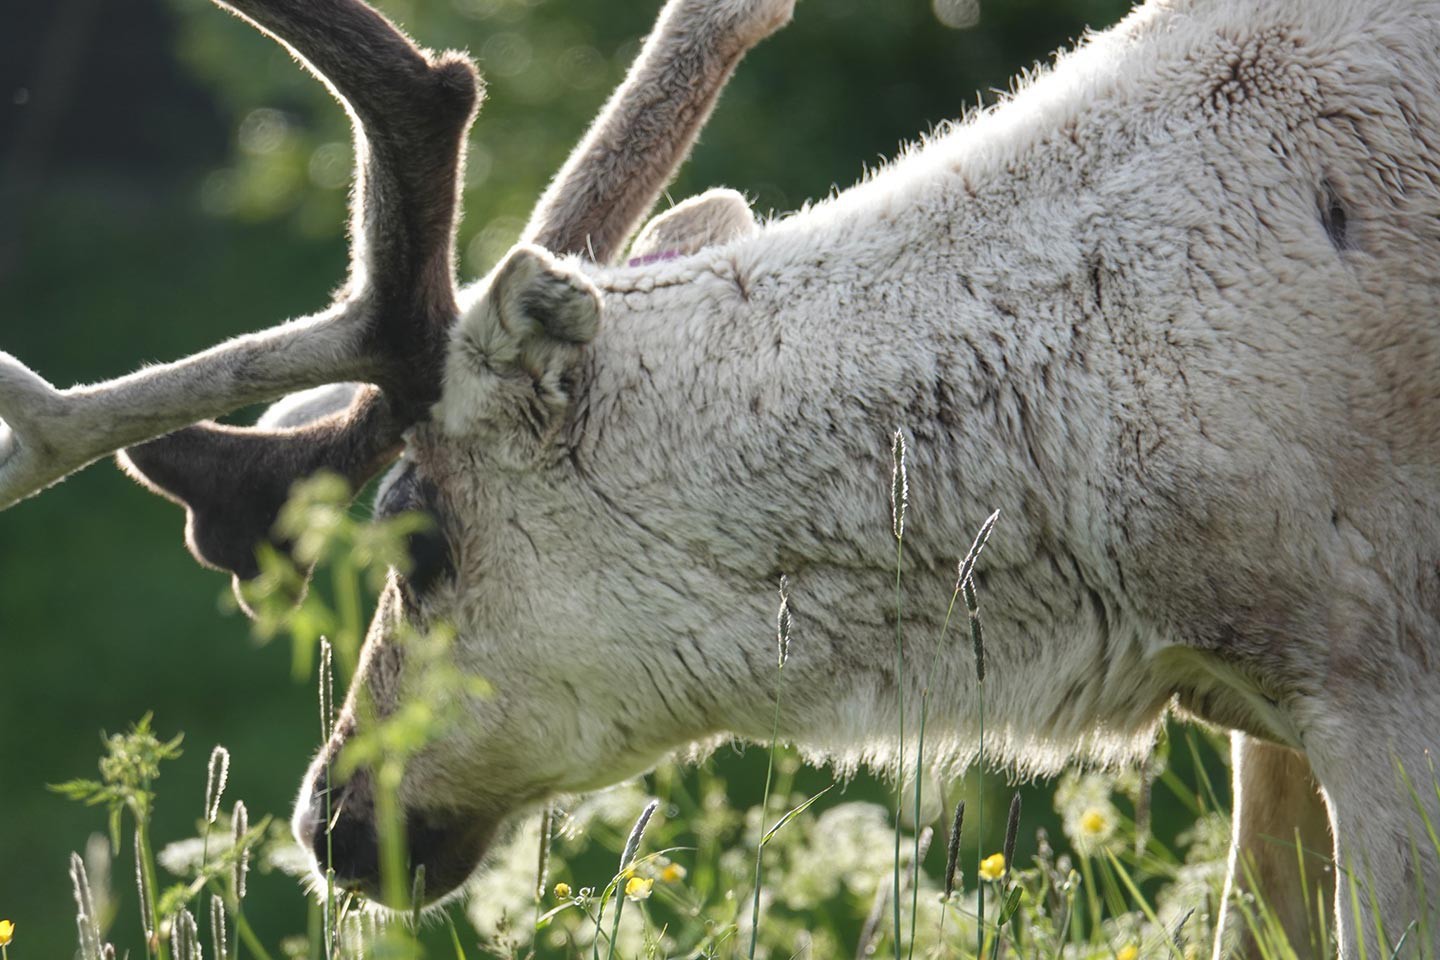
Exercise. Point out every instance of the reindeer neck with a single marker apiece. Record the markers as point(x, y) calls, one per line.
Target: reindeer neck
point(740, 409)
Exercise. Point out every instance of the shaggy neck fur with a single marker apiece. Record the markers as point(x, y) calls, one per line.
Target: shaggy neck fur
point(1170, 310)
point(1039, 299)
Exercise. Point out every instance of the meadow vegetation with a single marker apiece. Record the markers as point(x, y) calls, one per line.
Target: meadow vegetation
point(681, 863)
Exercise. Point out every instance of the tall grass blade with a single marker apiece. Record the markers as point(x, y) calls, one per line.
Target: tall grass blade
point(632, 846)
point(792, 814)
point(899, 500)
point(783, 625)
point(455, 941)
point(327, 731)
point(1400, 944)
point(1143, 904)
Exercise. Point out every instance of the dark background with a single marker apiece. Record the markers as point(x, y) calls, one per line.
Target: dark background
point(169, 178)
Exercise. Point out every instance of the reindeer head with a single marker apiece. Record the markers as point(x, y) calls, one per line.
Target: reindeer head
point(372, 367)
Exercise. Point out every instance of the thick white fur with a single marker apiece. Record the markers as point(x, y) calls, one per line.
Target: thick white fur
point(1109, 308)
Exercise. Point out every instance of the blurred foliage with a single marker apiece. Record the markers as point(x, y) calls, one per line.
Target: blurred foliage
point(169, 178)
point(847, 83)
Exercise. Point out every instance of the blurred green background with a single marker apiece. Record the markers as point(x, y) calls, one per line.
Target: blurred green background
point(169, 178)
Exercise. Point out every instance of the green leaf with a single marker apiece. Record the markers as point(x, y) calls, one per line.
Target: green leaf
point(83, 790)
point(793, 814)
point(1012, 904)
point(455, 939)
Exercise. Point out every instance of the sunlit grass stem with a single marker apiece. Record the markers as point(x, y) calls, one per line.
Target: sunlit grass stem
point(764, 809)
point(977, 643)
point(146, 860)
point(627, 860)
point(327, 730)
point(899, 499)
point(964, 573)
point(782, 639)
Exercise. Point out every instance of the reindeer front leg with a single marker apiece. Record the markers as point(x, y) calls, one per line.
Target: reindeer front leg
point(1276, 804)
point(1373, 753)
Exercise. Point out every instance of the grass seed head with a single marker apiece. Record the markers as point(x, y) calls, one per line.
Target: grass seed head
point(972, 556)
point(217, 773)
point(242, 852)
point(899, 485)
point(1012, 830)
point(637, 833)
point(977, 633)
point(87, 924)
point(184, 938)
point(952, 853)
point(783, 621)
point(327, 690)
point(217, 928)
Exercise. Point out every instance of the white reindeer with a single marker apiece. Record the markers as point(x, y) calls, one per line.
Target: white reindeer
point(1174, 308)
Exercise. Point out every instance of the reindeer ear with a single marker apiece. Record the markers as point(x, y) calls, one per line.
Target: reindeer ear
point(537, 296)
point(715, 216)
point(517, 340)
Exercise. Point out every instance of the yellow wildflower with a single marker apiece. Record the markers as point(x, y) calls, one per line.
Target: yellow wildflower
point(672, 873)
point(7, 932)
point(992, 867)
point(562, 891)
point(1093, 822)
point(1128, 952)
point(639, 888)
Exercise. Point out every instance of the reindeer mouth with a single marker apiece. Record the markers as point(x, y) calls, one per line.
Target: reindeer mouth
point(450, 851)
point(447, 845)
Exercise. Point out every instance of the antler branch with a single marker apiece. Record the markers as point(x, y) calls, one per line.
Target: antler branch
point(389, 325)
point(49, 433)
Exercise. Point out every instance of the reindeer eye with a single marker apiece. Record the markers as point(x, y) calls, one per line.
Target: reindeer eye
point(429, 548)
point(430, 559)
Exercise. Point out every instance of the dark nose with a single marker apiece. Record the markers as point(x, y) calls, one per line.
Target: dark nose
point(349, 845)
point(447, 843)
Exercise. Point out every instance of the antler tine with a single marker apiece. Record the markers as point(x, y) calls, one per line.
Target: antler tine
point(51, 433)
point(410, 112)
point(234, 481)
point(612, 178)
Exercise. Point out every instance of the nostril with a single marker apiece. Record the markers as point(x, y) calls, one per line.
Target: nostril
point(344, 833)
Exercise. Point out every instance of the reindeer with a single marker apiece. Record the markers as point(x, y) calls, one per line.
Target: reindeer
point(1171, 308)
